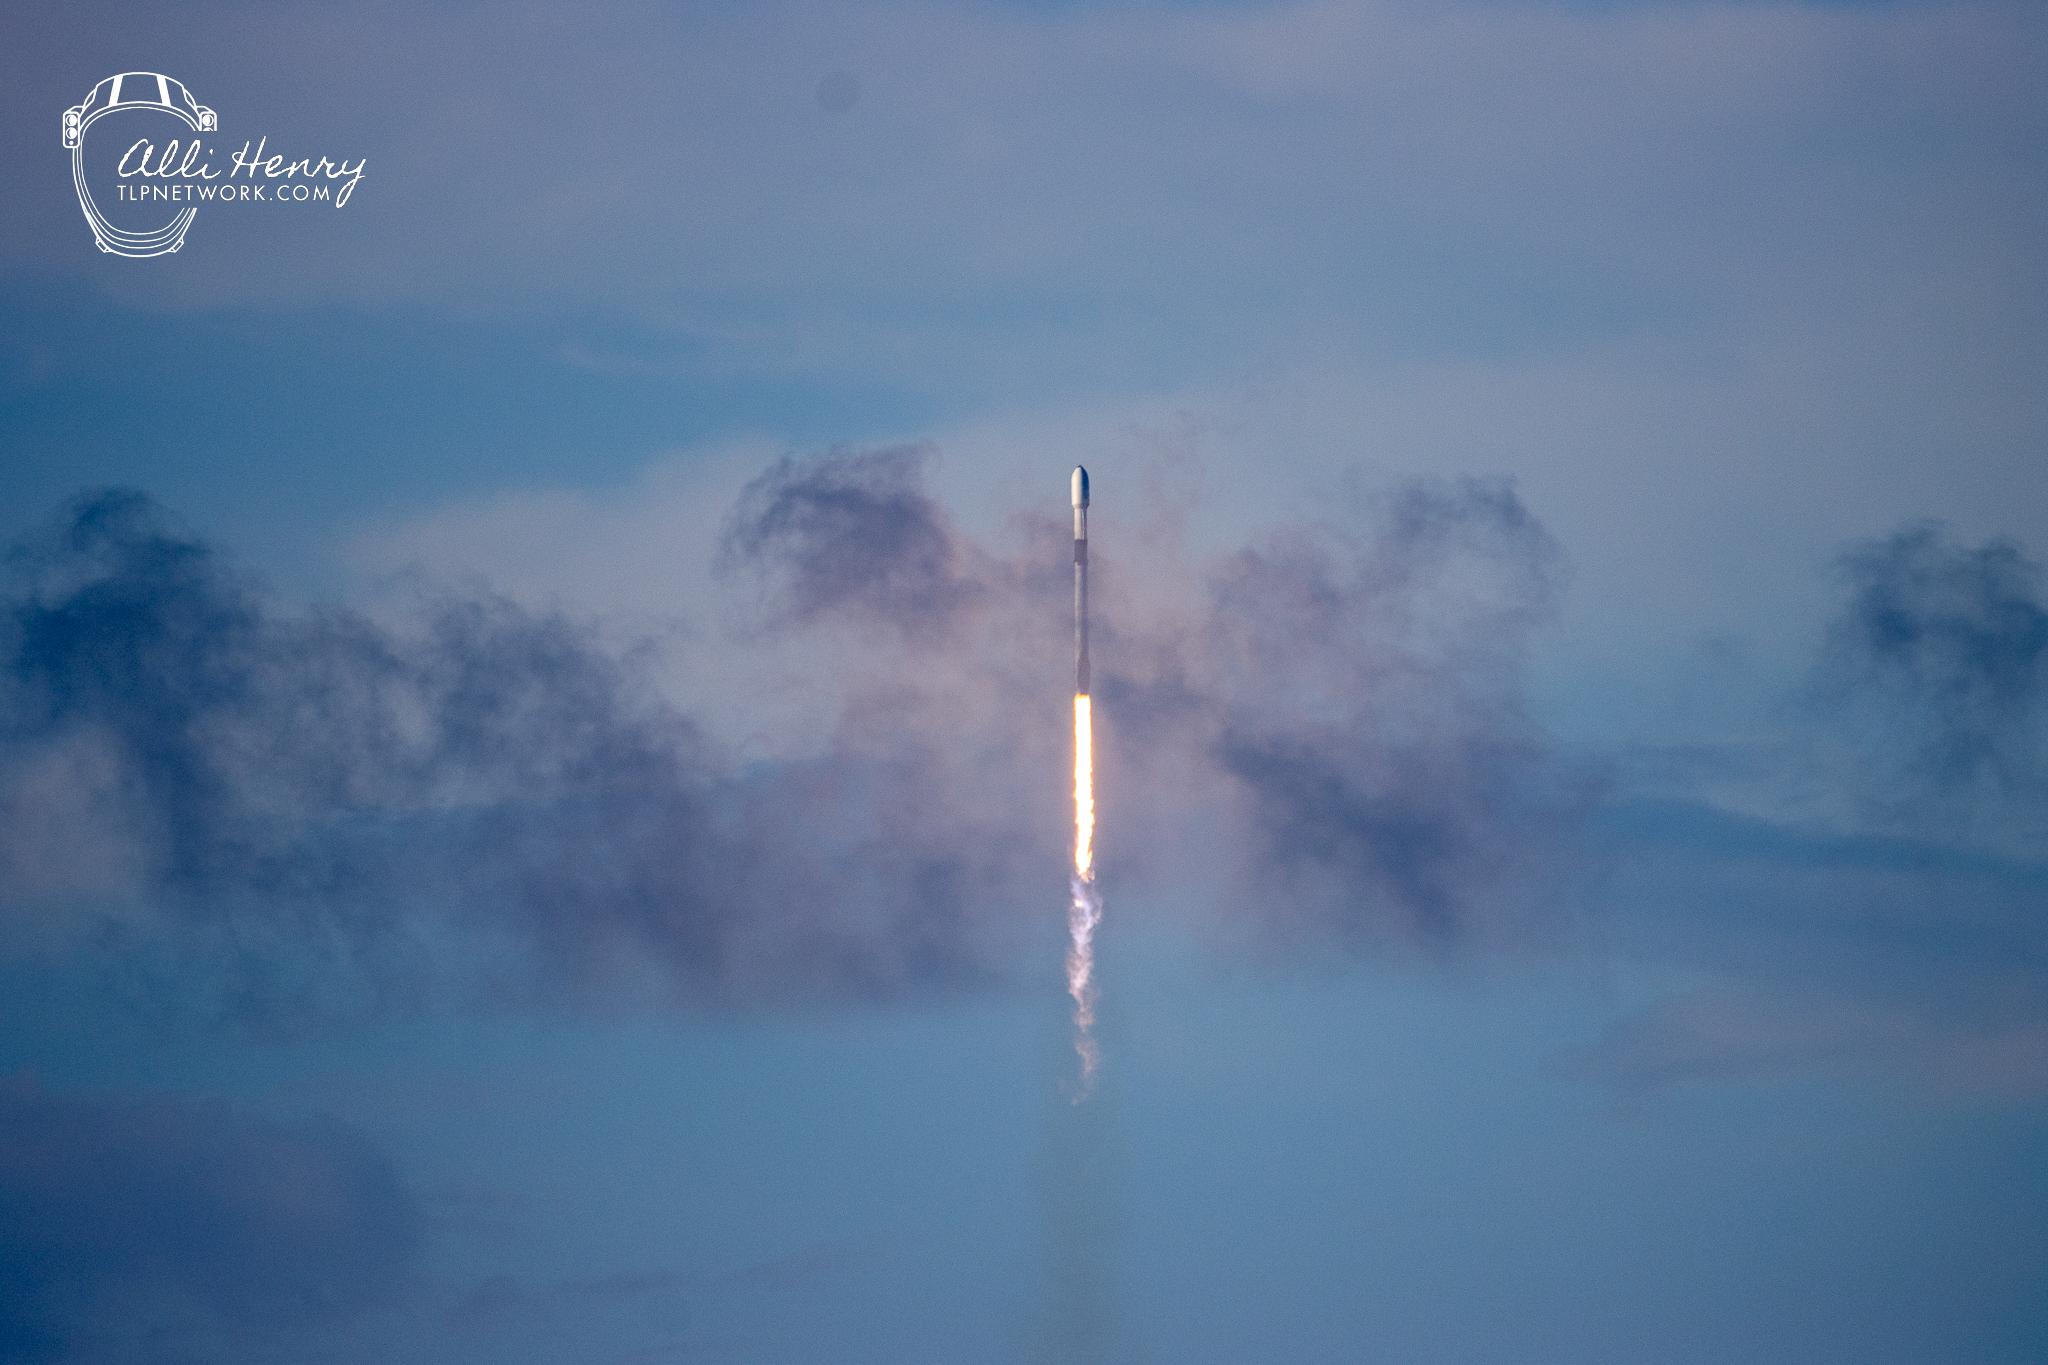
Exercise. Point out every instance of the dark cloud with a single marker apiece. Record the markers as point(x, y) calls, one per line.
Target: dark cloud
point(1368, 709)
point(159, 1230)
point(313, 799)
point(852, 534)
point(1938, 662)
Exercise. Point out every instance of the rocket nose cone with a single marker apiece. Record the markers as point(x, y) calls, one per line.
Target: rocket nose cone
point(1080, 486)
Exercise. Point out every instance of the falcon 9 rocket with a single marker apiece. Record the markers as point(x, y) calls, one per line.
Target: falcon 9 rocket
point(1085, 911)
point(1080, 491)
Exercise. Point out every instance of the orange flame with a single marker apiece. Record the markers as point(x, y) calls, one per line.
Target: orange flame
point(1084, 788)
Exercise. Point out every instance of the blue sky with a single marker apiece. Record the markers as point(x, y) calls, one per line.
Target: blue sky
point(532, 751)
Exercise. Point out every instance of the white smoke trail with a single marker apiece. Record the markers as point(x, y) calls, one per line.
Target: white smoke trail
point(1085, 911)
point(1082, 917)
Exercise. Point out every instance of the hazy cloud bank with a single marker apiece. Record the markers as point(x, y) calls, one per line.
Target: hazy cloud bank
point(291, 804)
point(150, 1230)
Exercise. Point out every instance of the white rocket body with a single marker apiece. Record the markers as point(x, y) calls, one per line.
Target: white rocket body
point(1080, 500)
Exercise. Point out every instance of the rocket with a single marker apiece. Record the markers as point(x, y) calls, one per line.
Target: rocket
point(1080, 490)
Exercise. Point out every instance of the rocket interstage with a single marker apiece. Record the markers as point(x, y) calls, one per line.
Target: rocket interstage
point(1085, 911)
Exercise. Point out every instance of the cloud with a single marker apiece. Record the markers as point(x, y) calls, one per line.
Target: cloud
point(1737, 1032)
point(852, 535)
point(1368, 710)
point(1861, 953)
point(1731, 1033)
point(1939, 661)
point(303, 803)
point(153, 1229)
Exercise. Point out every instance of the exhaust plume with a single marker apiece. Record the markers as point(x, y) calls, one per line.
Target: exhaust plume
point(1086, 910)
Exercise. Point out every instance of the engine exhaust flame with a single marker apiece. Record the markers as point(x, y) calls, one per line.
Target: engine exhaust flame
point(1086, 911)
point(1084, 788)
